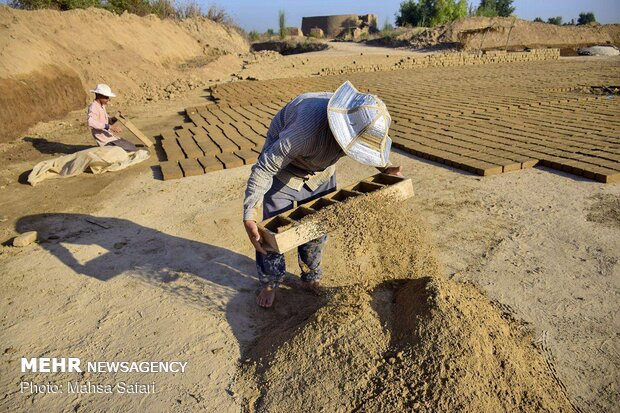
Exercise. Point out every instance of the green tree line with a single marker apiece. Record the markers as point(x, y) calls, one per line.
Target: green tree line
point(429, 13)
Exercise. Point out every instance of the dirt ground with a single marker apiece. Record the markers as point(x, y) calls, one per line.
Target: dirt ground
point(168, 274)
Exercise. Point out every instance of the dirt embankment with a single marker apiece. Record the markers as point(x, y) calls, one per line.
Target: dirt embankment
point(475, 33)
point(50, 59)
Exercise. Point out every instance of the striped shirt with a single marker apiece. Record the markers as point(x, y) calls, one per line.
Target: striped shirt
point(299, 149)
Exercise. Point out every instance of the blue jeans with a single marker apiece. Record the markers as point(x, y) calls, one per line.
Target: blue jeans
point(271, 267)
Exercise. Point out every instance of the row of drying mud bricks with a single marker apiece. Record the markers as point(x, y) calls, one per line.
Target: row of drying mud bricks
point(455, 59)
point(201, 148)
point(490, 155)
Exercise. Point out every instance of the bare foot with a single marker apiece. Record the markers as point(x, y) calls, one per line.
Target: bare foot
point(312, 286)
point(265, 297)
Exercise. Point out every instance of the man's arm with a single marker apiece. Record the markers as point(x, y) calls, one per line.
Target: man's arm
point(270, 161)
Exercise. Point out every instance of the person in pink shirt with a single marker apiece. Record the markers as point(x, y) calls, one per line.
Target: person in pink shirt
point(103, 127)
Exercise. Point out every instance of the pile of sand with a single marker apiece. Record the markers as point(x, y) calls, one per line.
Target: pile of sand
point(390, 334)
point(50, 59)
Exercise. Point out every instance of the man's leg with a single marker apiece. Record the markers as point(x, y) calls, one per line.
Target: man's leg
point(271, 267)
point(310, 254)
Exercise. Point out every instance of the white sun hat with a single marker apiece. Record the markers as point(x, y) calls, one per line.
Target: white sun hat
point(360, 124)
point(104, 90)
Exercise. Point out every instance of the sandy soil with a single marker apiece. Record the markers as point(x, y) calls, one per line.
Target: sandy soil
point(169, 274)
point(474, 33)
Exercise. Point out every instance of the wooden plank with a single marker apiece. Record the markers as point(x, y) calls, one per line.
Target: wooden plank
point(287, 230)
point(133, 129)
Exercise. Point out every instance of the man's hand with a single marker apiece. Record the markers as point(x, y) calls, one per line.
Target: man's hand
point(115, 128)
point(252, 230)
point(393, 170)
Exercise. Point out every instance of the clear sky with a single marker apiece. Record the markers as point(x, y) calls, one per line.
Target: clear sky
point(263, 14)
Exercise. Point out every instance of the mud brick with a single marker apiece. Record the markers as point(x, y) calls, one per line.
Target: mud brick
point(249, 134)
point(171, 170)
point(230, 160)
point(248, 156)
point(206, 144)
point(230, 132)
point(211, 163)
point(510, 166)
point(203, 111)
point(506, 164)
point(183, 133)
point(458, 161)
point(191, 149)
point(483, 168)
point(197, 119)
point(225, 145)
point(191, 110)
point(214, 132)
point(196, 130)
point(259, 141)
point(191, 167)
point(605, 175)
point(258, 128)
point(223, 117)
point(529, 163)
point(265, 109)
point(608, 164)
point(172, 149)
point(233, 115)
point(244, 143)
point(553, 162)
point(169, 136)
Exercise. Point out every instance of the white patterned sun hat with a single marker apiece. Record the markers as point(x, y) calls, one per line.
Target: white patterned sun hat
point(104, 90)
point(360, 124)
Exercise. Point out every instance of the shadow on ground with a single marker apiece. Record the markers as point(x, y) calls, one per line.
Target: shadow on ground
point(51, 148)
point(201, 274)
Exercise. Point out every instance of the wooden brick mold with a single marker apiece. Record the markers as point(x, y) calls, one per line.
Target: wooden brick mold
point(284, 232)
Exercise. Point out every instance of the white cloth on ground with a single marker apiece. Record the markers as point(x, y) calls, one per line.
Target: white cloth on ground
point(96, 160)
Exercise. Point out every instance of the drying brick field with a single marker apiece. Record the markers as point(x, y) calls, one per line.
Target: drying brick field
point(486, 119)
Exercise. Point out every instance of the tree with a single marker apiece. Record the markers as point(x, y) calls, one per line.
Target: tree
point(253, 35)
point(282, 23)
point(446, 11)
point(270, 32)
point(555, 20)
point(486, 8)
point(493, 8)
point(586, 18)
point(412, 13)
point(387, 26)
point(504, 8)
point(539, 20)
point(430, 12)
